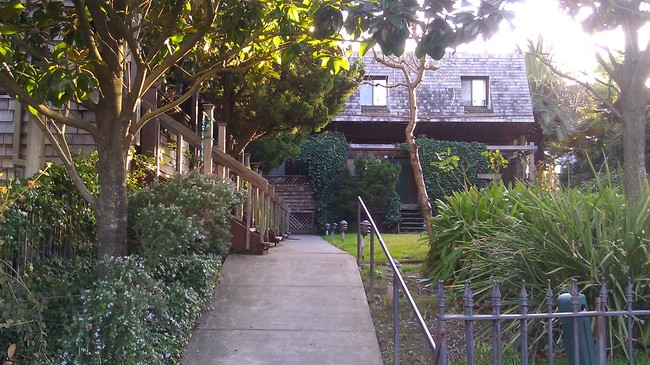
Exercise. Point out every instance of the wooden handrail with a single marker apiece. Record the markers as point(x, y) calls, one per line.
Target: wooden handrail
point(265, 210)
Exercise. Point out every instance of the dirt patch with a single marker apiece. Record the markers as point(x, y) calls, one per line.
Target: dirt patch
point(413, 348)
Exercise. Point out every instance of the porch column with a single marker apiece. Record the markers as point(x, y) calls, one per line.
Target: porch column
point(207, 140)
point(222, 171)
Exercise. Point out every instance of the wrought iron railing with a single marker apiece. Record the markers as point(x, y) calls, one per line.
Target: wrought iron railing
point(583, 344)
point(398, 284)
point(577, 336)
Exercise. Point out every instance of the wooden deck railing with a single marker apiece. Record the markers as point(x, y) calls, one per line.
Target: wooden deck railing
point(264, 214)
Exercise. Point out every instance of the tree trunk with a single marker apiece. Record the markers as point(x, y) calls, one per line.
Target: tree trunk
point(414, 156)
point(111, 210)
point(634, 133)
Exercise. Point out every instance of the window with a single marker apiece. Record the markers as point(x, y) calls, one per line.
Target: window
point(475, 91)
point(373, 91)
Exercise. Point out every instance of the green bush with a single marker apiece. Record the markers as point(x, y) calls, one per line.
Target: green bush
point(326, 157)
point(111, 323)
point(49, 215)
point(140, 313)
point(540, 236)
point(441, 175)
point(186, 214)
point(374, 180)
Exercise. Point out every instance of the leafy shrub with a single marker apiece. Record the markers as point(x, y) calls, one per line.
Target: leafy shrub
point(111, 325)
point(22, 330)
point(450, 166)
point(48, 215)
point(326, 156)
point(140, 313)
point(374, 180)
point(537, 236)
point(196, 272)
point(186, 214)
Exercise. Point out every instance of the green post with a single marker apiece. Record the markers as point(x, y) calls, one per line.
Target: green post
point(584, 338)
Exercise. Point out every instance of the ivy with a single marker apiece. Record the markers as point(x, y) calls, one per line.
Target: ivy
point(374, 180)
point(326, 157)
point(450, 166)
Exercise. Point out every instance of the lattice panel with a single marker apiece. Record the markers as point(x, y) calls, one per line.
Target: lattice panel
point(301, 222)
point(288, 180)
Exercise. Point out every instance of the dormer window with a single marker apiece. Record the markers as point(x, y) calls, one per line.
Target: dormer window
point(374, 93)
point(475, 92)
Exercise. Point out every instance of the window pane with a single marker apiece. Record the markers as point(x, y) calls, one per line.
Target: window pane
point(380, 92)
point(366, 94)
point(466, 87)
point(479, 92)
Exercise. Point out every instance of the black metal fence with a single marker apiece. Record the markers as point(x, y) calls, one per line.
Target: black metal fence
point(567, 319)
point(569, 308)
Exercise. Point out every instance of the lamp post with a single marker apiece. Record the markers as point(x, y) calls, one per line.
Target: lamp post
point(364, 229)
point(334, 226)
point(344, 227)
point(327, 229)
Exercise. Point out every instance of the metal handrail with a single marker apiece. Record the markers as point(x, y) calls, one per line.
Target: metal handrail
point(398, 282)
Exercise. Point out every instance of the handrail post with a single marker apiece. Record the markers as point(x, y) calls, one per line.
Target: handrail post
point(221, 145)
point(208, 140)
point(249, 214)
point(359, 263)
point(372, 260)
point(396, 313)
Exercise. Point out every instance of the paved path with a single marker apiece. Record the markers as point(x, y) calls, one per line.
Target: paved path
point(302, 303)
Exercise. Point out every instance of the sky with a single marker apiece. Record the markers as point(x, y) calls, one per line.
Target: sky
point(572, 48)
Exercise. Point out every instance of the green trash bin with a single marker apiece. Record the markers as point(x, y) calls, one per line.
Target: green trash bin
point(585, 336)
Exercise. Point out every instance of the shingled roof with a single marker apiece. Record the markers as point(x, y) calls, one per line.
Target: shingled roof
point(506, 114)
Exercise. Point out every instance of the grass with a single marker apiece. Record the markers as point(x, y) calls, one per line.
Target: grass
point(402, 247)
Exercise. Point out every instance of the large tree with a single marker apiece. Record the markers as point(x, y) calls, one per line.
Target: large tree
point(435, 26)
point(300, 97)
point(104, 55)
point(628, 68)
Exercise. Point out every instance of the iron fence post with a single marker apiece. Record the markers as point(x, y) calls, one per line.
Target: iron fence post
point(396, 315)
point(372, 261)
point(442, 330)
point(628, 304)
point(469, 323)
point(496, 325)
point(523, 303)
point(549, 310)
point(601, 303)
point(359, 263)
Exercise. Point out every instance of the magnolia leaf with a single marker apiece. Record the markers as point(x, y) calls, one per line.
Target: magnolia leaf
point(11, 351)
point(9, 11)
point(8, 29)
point(328, 22)
point(366, 46)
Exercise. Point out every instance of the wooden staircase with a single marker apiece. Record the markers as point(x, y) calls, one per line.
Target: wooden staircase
point(412, 220)
point(297, 194)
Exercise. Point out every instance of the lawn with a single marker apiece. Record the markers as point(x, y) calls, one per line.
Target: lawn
point(403, 247)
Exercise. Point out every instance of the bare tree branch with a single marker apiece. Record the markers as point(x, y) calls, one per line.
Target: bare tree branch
point(186, 46)
point(567, 76)
point(84, 24)
point(13, 87)
point(63, 150)
point(166, 32)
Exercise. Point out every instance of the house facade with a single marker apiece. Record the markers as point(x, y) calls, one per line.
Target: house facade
point(468, 98)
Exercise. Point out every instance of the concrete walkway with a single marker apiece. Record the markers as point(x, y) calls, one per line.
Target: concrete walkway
point(302, 303)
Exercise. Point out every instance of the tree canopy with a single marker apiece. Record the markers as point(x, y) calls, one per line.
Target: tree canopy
point(104, 55)
point(626, 70)
point(301, 99)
